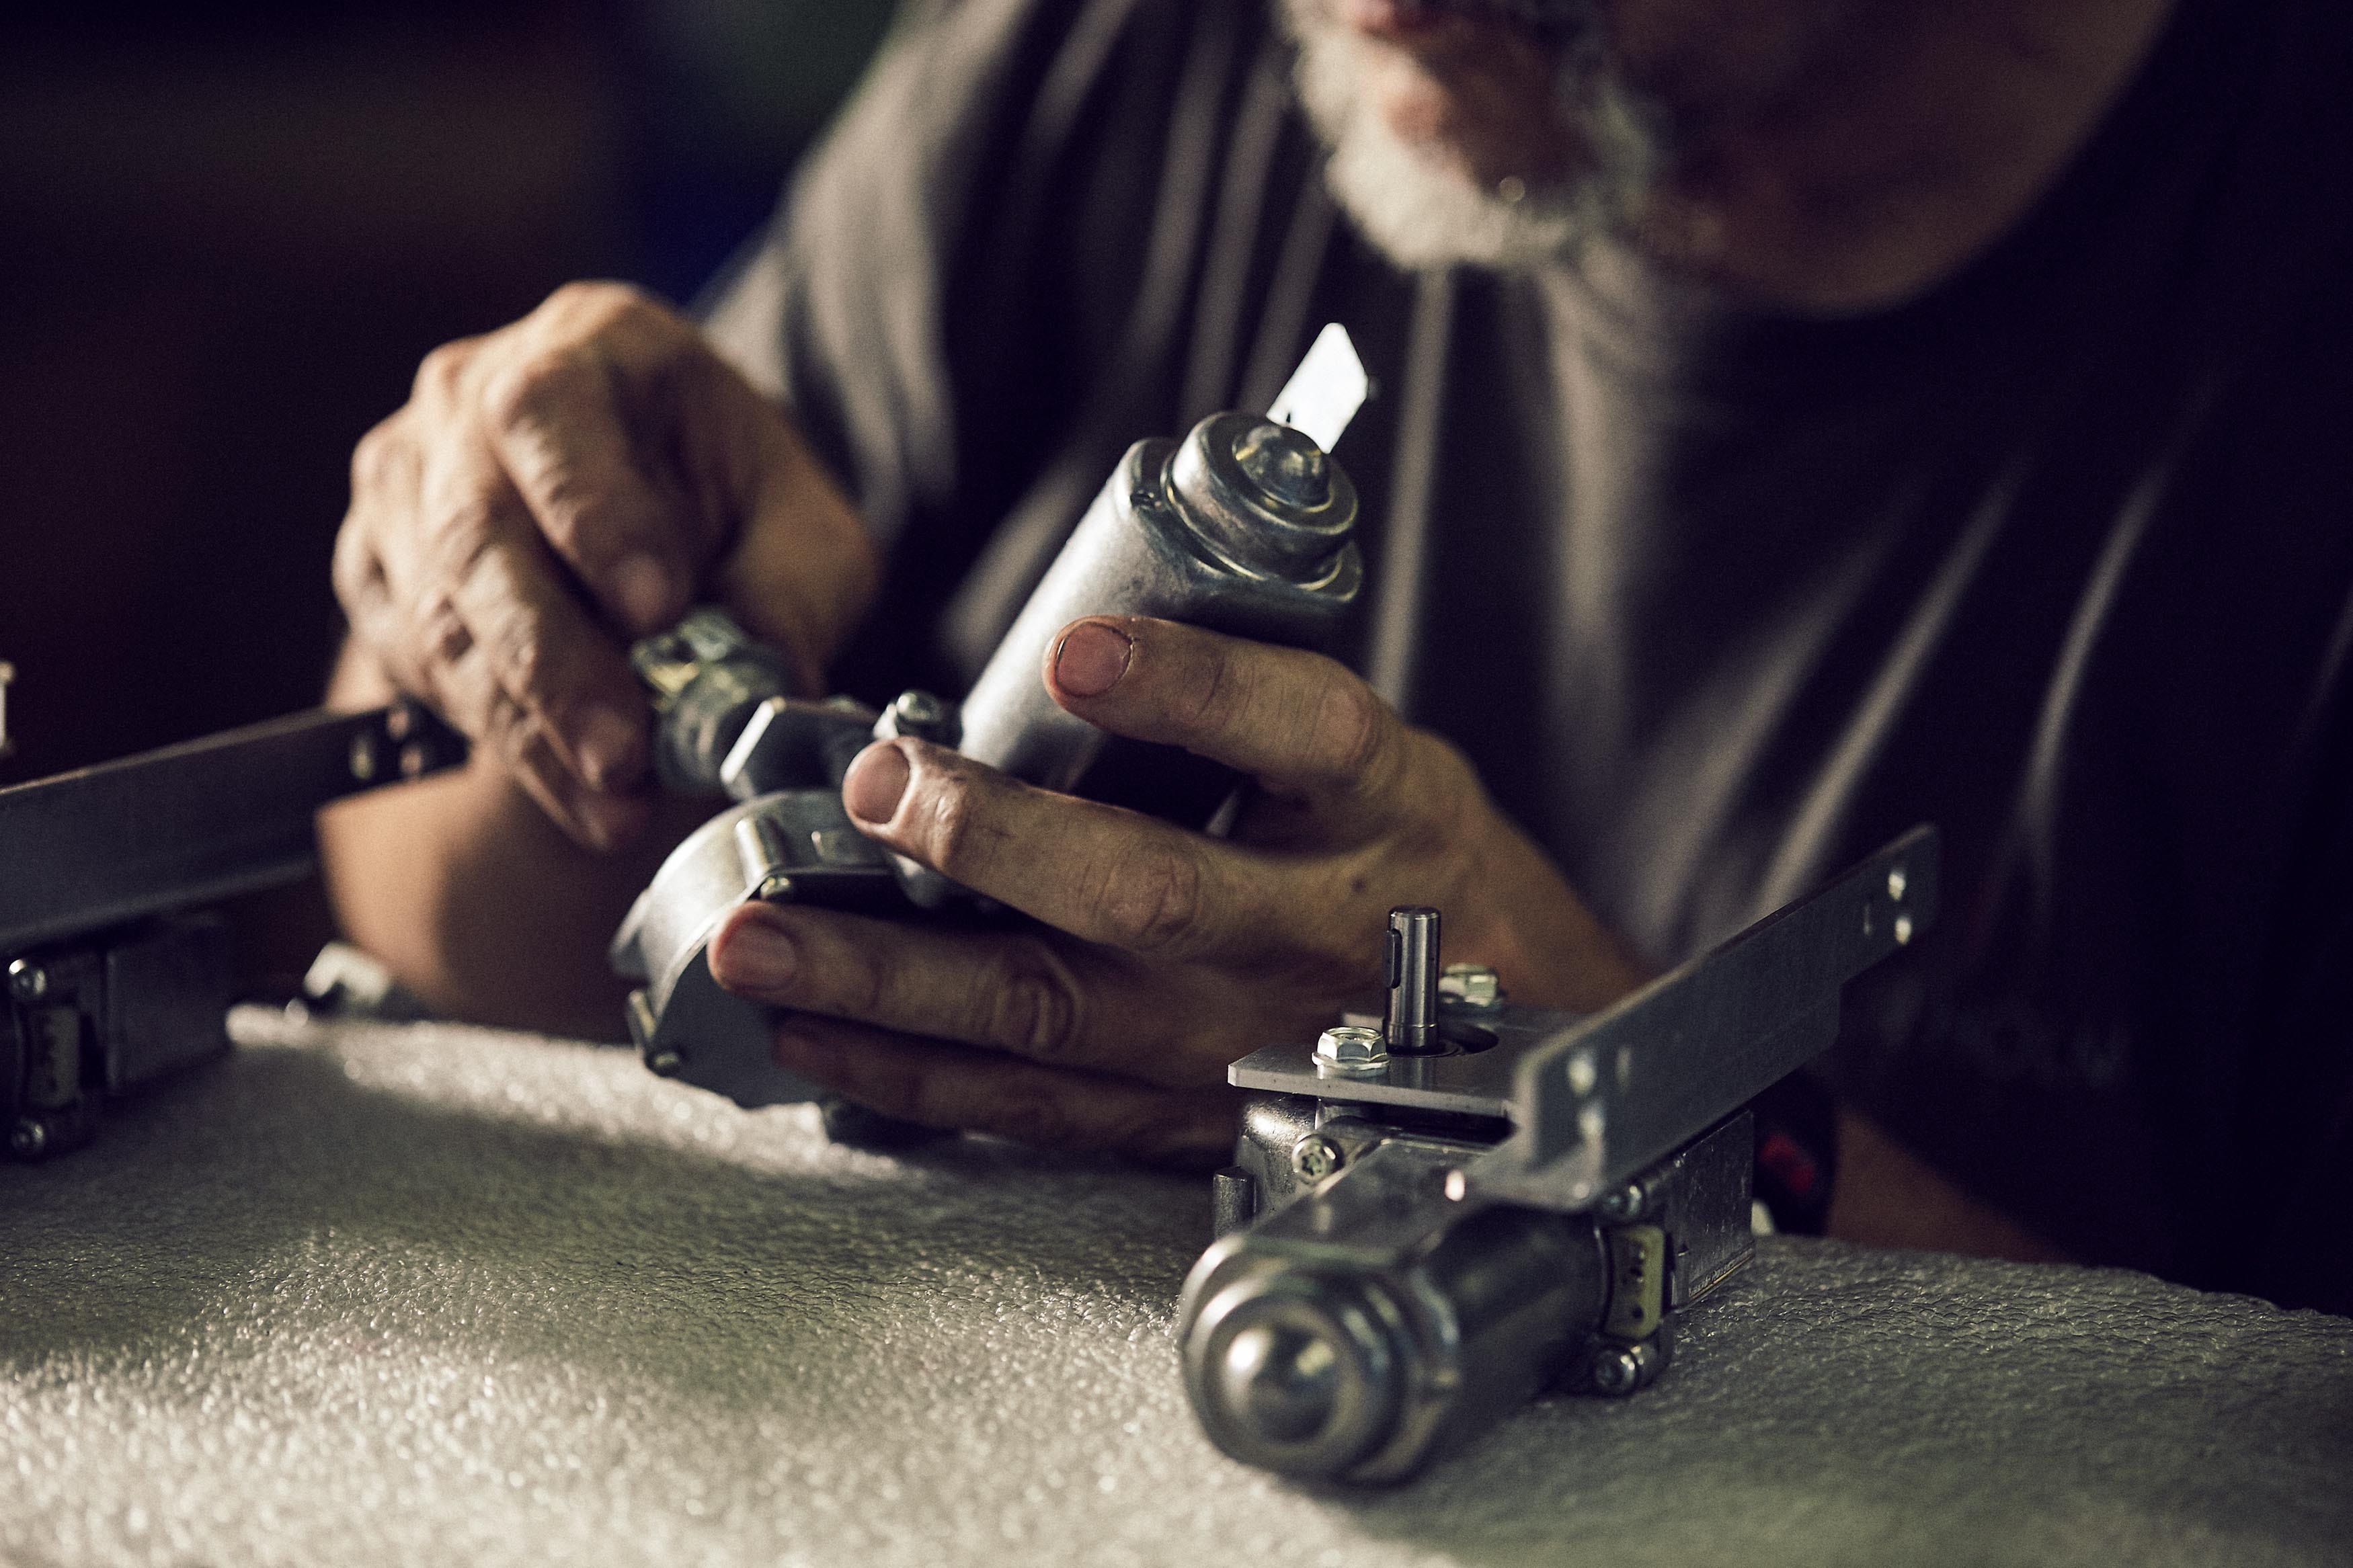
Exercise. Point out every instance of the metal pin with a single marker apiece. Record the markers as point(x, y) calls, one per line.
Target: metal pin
point(1411, 1019)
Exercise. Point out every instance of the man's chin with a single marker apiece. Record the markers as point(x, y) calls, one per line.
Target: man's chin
point(1400, 164)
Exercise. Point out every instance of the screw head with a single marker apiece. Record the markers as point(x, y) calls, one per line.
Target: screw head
point(1625, 1204)
point(28, 980)
point(665, 1063)
point(27, 1139)
point(915, 707)
point(1473, 985)
point(1315, 1157)
point(1350, 1047)
point(1616, 1369)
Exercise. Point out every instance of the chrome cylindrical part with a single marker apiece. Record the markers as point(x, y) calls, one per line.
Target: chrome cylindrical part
point(1410, 1016)
point(1327, 1368)
point(1245, 527)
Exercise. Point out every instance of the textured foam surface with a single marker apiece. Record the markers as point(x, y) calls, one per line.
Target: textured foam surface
point(410, 1296)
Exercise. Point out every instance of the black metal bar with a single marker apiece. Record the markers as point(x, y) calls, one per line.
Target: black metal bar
point(194, 823)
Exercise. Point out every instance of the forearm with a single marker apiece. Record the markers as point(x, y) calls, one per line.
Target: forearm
point(474, 898)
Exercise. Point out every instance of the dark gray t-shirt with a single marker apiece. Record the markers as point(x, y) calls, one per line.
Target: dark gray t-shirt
point(2057, 556)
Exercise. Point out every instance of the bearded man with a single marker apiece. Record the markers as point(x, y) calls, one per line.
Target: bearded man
point(1801, 418)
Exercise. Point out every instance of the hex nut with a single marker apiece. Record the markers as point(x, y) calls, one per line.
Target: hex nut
point(1351, 1048)
point(1473, 985)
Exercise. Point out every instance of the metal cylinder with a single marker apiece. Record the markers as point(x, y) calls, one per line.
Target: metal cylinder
point(1410, 1016)
point(1327, 1369)
point(707, 678)
point(1245, 527)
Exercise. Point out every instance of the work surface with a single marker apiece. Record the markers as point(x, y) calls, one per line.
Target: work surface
point(406, 1296)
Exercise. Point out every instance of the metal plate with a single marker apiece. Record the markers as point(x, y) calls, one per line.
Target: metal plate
point(196, 823)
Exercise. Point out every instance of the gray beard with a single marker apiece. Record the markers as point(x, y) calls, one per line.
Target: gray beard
point(1421, 212)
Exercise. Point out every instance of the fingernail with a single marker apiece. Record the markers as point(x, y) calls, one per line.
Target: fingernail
point(641, 589)
point(757, 956)
point(876, 780)
point(608, 749)
point(1092, 659)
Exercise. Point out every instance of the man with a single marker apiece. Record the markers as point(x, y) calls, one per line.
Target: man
point(1803, 418)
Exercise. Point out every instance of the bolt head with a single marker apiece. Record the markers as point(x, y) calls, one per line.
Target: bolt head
point(665, 1064)
point(1315, 1157)
point(28, 980)
point(1616, 1369)
point(27, 1139)
point(1349, 1047)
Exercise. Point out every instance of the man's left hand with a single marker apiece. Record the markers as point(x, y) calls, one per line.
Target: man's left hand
point(1161, 954)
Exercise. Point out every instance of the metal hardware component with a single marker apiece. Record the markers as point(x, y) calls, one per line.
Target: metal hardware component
point(1233, 1199)
point(796, 845)
point(1350, 1047)
point(1625, 1205)
point(1411, 1018)
point(1616, 1369)
point(1353, 1334)
point(1315, 1157)
point(1437, 1238)
point(920, 715)
point(1473, 988)
point(706, 676)
point(1245, 527)
point(188, 825)
point(112, 982)
point(1184, 531)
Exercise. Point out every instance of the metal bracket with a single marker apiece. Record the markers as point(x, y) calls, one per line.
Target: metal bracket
point(1594, 1100)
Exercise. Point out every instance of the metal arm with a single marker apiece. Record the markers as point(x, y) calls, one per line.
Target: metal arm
point(115, 977)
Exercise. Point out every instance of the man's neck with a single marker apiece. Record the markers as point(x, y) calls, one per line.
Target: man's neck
point(1850, 162)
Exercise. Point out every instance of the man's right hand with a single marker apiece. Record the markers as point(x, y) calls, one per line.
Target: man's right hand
point(560, 487)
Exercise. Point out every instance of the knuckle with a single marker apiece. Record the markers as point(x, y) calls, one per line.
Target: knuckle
point(376, 459)
point(1031, 1003)
point(1352, 727)
point(952, 829)
point(519, 396)
point(440, 371)
point(1219, 693)
point(1150, 900)
point(594, 300)
point(354, 569)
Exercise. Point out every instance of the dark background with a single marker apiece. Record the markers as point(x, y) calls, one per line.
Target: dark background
point(228, 234)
